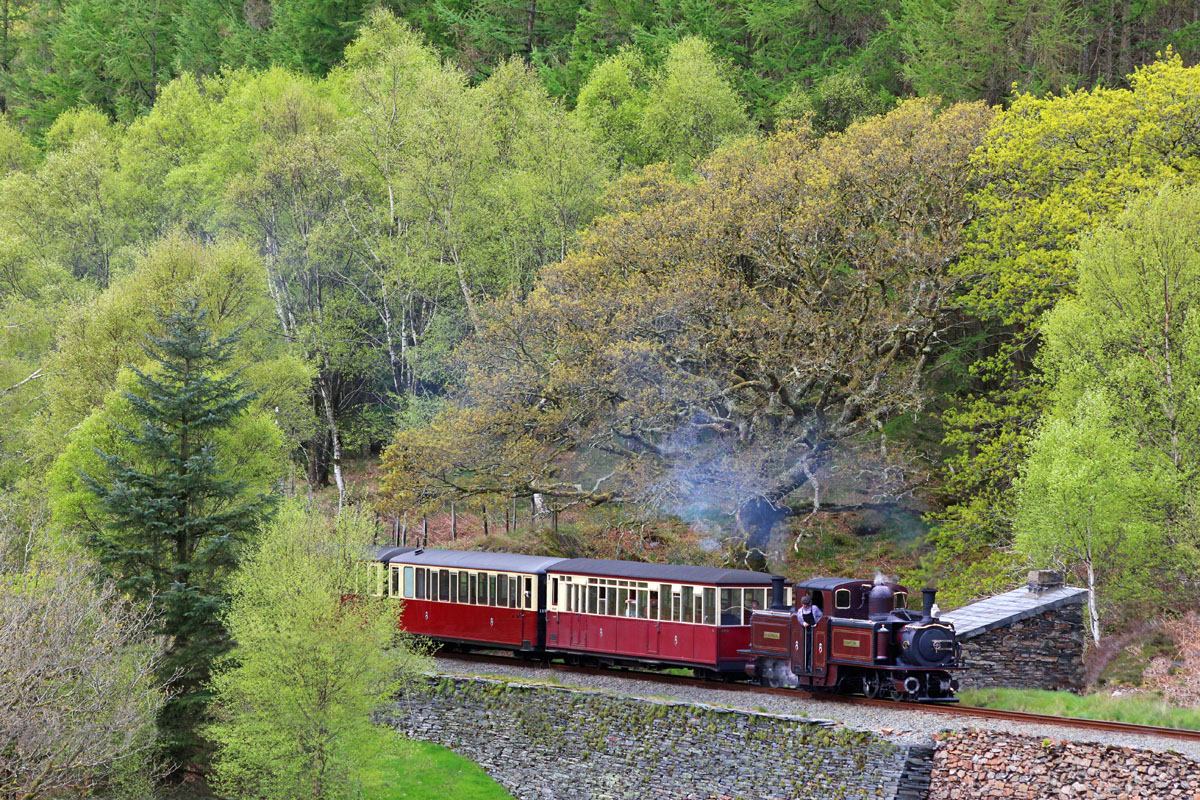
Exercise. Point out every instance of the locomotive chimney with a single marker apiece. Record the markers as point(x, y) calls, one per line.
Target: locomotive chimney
point(777, 603)
point(928, 597)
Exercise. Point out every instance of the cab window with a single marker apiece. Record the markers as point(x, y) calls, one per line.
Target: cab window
point(841, 598)
point(901, 600)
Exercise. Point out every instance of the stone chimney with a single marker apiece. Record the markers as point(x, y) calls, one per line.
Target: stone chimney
point(1044, 580)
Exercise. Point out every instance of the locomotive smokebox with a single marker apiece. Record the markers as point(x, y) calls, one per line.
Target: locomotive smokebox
point(777, 603)
point(928, 597)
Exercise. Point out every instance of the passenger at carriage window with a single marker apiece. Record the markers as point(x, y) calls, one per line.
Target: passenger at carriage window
point(631, 607)
point(809, 614)
point(750, 609)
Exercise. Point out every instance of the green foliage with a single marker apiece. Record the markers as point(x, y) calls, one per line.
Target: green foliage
point(294, 697)
point(677, 113)
point(833, 104)
point(1137, 709)
point(167, 518)
point(1086, 504)
point(1107, 486)
point(969, 49)
point(1056, 168)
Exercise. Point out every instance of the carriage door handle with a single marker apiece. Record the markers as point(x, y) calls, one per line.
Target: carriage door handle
point(492, 621)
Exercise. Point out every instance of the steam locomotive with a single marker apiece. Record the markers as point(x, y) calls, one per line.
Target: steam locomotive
point(715, 621)
point(865, 641)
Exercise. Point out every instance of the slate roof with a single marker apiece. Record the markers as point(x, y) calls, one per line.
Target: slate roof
point(670, 573)
point(1005, 609)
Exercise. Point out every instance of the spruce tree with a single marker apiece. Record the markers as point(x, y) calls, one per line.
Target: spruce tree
point(176, 523)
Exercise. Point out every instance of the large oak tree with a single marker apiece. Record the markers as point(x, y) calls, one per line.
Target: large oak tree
point(719, 338)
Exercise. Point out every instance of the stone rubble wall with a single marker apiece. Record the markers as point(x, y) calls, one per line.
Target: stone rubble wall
point(977, 765)
point(551, 743)
point(1044, 651)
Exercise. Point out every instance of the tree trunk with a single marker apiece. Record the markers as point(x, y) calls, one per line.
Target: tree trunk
point(1093, 612)
point(334, 437)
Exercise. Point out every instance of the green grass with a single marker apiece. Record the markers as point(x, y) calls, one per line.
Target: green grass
point(420, 771)
point(1135, 709)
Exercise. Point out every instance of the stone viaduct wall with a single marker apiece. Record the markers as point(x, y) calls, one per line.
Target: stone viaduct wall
point(544, 743)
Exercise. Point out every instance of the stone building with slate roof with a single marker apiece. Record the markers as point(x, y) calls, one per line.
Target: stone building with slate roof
point(1030, 638)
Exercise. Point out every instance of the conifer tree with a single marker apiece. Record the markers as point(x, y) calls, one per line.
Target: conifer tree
point(175, 522)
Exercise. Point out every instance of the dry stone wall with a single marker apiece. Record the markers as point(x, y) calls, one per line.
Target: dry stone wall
point(974, 765)
point(546, 743)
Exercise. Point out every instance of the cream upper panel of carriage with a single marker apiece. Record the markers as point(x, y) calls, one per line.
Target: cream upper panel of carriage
point(692, 604)
point(460, 586)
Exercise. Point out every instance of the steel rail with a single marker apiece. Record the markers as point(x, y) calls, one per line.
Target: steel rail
point(932, 708)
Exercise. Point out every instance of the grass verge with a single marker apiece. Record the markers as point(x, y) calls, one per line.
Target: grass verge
point(1134, 709)
point(420, 770)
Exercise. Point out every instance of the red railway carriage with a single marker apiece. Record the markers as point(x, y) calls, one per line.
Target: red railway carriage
point(467, 597)
point(629, 611)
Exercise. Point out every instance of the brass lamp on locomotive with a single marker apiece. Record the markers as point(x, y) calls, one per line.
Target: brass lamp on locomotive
point(866, 641)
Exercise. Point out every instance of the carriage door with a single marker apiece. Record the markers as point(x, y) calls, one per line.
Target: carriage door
point(821, 641)
point(654, 614)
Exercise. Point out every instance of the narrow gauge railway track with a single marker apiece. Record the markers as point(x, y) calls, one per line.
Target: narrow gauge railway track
point(933, 708)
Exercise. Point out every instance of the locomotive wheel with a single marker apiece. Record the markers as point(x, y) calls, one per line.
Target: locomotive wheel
point(870, 685)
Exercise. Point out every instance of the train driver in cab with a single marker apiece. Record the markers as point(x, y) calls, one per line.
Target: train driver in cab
point(810, 615)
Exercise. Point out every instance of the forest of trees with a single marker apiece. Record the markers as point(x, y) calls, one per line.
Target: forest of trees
point(276, 276)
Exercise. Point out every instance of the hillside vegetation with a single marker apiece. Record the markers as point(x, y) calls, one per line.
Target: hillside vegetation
point(808, 287)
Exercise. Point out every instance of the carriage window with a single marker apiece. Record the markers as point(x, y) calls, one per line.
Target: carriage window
point(664, 591)
point(453, 587)
point(607, 600)
point(502, 589)
point(483, 589)
point(444, 585)
point(529, 594)
point(643, 605)
point(420, 583)
point(731, 606)
point(901, 600)
point(491, 590)
point(514, 587)
point(433, 584)
point(474, 595)
point(554, 592)
point(623, 606)
point(755, 599)
point(407, 582)
point(676, 608)
point(841, 598)
point(464, 591)
point(688, 604)
point(592, 600)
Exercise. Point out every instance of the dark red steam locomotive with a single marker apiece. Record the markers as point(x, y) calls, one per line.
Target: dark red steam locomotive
point(864, 641)
point(715, 621)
